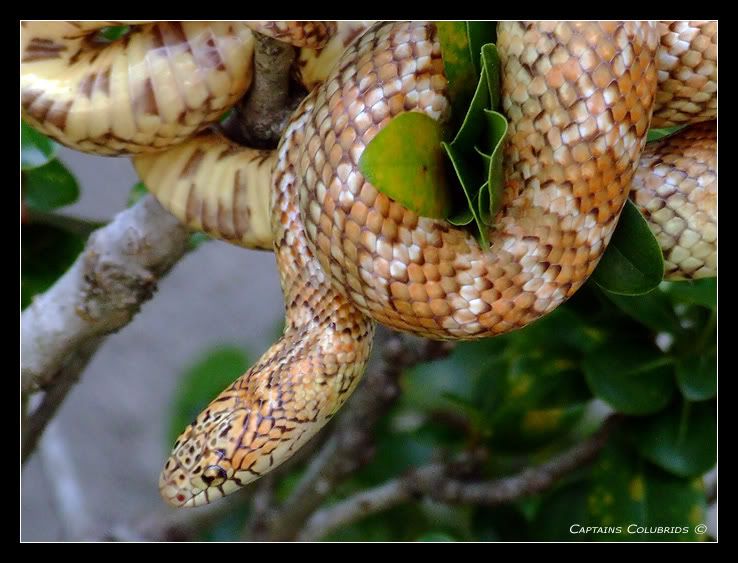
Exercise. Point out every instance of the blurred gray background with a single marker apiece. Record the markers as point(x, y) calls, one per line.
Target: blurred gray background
point(97, 466)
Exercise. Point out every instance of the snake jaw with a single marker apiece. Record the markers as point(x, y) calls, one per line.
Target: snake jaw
point(199, 468)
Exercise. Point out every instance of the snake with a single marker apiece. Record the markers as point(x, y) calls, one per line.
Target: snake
point(580, 98)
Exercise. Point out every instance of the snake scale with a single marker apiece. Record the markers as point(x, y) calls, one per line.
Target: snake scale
point(580, 98)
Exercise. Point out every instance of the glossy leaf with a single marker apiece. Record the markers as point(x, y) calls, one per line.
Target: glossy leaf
point(46, 253)
point(458, 66)
point(700, 292)
point(623, 499)
point(114, 32)
point(36, 148)
point(633, 377)
point(697, 375)
point(49, 186)
point(633, 263)
point(202, 382)
point(653, 309)
point(493, 69)
point(658, 134)
point(480, 33)
point(490, 195)
point(405, 161)
point(681, 440)
point(628, 493)
point(469, 166)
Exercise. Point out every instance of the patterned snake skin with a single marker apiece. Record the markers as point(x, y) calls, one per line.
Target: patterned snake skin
point(580, 98)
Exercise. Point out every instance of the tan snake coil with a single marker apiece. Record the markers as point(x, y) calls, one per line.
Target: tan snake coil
point(580, 99)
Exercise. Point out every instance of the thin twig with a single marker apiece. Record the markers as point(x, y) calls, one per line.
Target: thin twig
point(436, 481)
point(65, 484)
point(102, 291)
point(260, 118)
point(68, 375)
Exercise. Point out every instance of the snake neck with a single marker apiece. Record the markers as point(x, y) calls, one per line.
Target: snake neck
point(297, 385)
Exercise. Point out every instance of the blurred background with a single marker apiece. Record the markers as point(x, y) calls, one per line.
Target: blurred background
point(114, 424)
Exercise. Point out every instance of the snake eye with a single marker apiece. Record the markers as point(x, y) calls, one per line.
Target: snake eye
point(214, 476)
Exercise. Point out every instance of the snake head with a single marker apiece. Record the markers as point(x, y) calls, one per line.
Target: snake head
point(199, 469)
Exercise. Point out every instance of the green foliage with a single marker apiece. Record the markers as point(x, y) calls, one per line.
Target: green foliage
point(633, 263)
point(410, 172)
point(113, 33)
point(623, 498)
point(49, 243)
point(632, 376)
point(46, 253)
point(658, 134)
point(48, 187)
point(36, 148)
point(681, 440)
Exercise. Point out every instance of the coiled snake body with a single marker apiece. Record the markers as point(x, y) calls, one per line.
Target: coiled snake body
point(580, 98)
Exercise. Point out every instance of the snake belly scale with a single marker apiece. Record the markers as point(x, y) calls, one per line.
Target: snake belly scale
point(580, 98)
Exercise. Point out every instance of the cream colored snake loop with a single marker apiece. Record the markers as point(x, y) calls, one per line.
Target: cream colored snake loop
point(580, 97)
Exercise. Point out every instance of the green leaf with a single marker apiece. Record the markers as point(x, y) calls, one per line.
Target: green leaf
point(633, 263)
point(560, 512)
point(540, 397)
point(114, 32)
point(202, 382)
point(681, 440)
point(36, 148)
point(697, 375)
point(405, 162)
point(493, 69)
point(46, 253)
point(49, 186)
point(653, 309)
point(626, 492)
point(699, 292)
point(490, 195)
point(658, 134)
point(469, 167)
point(196, 239)
point(226, 116)
point(458, 66)
point(623, 499)
point(633, 377)
point(479, 34)
point(137, 192)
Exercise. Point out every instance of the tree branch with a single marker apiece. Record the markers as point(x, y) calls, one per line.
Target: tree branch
point(436, 481)
point(63, 381)
point(102, 291)
point(350, 444)
point(260, 118)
